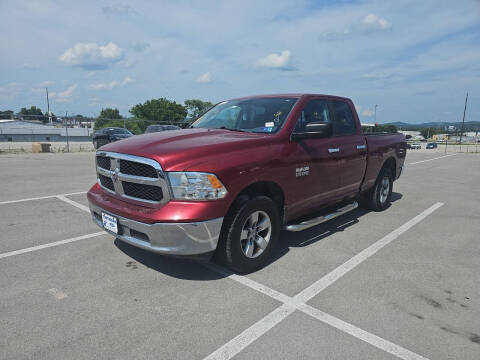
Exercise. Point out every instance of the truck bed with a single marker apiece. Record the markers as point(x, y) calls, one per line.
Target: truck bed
point(382, 146)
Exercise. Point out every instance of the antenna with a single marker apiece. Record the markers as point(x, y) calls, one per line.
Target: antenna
point(48, 109)
point(463, 122)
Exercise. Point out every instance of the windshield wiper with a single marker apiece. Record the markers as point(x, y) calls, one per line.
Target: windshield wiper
point(231, 129)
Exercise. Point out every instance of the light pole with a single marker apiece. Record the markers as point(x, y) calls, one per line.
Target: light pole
point(376, 113)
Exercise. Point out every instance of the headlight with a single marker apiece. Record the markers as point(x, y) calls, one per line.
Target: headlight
point(196, 186)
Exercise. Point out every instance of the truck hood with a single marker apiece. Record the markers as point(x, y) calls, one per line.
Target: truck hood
point(179, 150)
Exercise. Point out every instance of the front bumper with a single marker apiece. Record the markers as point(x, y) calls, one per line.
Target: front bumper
point(182, 239)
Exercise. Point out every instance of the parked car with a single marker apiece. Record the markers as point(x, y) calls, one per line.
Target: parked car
point(415, 146)
point(243, 171)
point(431, 146)
point(158, 128)
point(108, 135)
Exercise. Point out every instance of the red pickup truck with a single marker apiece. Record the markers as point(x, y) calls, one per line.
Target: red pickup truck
point(241, 173)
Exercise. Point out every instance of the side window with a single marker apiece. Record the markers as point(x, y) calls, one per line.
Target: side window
point(314, 111)
point(344, 123)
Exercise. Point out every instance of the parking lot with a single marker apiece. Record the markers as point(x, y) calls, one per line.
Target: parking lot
point(398, 284)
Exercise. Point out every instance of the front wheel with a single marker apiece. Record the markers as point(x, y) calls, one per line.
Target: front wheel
point(249, 235)
point(379, 197)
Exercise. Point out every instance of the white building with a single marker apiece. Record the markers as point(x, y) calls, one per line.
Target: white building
point(19, 130)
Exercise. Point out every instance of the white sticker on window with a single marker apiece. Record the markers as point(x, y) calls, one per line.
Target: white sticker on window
point(269, 124)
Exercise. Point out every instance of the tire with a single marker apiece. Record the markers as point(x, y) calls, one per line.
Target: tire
point(379, 197)
point(244, 246)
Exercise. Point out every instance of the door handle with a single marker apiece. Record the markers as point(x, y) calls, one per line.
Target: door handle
point(333, 150)
point(361, 147)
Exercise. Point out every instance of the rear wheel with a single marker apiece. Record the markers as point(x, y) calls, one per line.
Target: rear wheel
point(249, 235)
point(379, 197)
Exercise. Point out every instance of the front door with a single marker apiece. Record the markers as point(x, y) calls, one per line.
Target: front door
point(313, 163)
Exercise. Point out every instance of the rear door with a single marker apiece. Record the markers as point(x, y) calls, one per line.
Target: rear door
point(352, 155)
point(313, 162)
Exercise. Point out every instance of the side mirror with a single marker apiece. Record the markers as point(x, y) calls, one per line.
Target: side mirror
point(314, 130)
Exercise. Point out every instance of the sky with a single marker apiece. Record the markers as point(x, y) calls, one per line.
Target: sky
point(414, 59)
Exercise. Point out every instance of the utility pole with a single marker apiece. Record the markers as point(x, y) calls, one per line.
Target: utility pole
point(124, 123)
point(376, 113)
point(463, 122)
point(66, 129)
point(48, 109)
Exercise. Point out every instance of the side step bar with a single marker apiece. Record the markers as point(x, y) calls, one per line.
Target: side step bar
point(318, 220)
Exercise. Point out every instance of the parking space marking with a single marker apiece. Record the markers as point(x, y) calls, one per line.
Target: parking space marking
point(40, 198)
point(74, 203)
point(361, 334)
point(363, 255)
point(240, 342)
point(56, 243)
point(249, 335)
point(422, 161)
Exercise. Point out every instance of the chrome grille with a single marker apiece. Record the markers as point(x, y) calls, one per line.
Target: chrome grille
point(132, 178)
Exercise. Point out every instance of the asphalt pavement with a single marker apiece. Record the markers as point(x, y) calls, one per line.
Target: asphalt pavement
point(402, 283)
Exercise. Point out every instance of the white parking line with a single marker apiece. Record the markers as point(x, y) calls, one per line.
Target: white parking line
point(363, 255)
point(40, 198)
point(363, 335)
point(74, 203)
point(422, 161)
point(249, 335)
point(56, 243)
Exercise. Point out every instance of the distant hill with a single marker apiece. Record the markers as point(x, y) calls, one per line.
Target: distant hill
point(469, 125)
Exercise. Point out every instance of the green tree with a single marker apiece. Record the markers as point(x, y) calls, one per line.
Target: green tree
point(427, 133)
point(110, 113)
point(160, 110)
point(33, 113)
point(7, 114)
point(196, 108)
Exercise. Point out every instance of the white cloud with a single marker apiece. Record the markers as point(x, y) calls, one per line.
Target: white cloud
point(205, 78)
point(375, 22)
point(92, 56)
point(111, 85)
point(64, 96)
point(275, 61)
point(367, 113)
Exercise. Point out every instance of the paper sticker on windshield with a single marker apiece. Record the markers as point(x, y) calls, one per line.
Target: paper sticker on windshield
point(269, 124)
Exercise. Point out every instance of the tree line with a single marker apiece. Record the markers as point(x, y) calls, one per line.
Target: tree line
point(154, 111)
point(150, 112)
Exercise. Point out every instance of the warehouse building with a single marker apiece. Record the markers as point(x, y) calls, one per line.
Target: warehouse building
point(19, 130)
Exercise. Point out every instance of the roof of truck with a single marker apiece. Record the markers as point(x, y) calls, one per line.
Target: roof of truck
point(290, 95)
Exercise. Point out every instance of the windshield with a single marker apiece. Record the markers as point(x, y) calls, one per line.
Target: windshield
point(119, 131)
point(263, 115)
point(154, 128)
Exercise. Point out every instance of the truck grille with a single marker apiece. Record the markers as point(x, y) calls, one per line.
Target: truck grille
point(137, 169)
point(132, 178)
point(141, 191)
point(103, 162)
point(106, 182)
